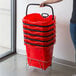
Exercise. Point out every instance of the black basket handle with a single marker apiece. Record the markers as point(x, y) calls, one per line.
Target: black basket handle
point(38, 5)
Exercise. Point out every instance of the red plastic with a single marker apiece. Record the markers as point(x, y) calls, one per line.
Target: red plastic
point(39, 28)
point(37, 19)
point(39, 38)
point(40, 57)
point(40, 43)
point(39, 33)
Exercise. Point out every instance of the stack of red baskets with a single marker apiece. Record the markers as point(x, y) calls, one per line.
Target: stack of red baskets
point(39, 38)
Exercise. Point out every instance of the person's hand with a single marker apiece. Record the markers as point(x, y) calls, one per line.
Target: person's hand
point(49, 2)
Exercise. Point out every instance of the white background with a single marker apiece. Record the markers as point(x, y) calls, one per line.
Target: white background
point(64, 47)
point(5, 23)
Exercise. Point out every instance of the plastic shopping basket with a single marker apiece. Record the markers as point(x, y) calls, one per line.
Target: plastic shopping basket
point(39, 37)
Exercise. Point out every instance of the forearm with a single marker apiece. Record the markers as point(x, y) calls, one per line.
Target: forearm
point(49, 2)
point(53, 1)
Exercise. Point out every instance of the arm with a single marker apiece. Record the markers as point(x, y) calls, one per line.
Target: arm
point(49, 2)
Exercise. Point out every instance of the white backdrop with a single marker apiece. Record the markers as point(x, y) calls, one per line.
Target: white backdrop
point(5, 23)
point(63, 48)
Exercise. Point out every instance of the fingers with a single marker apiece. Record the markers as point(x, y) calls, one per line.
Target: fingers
point(43, 4)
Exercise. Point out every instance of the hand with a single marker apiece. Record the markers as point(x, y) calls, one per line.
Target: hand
point(44, 3)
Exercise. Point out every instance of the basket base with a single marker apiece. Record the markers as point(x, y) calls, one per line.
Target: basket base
point(39, 64)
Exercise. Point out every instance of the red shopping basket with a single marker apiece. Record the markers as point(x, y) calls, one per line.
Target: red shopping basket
point(40, 57)
point(44, 24)
point(40, 33)
point(39, 38)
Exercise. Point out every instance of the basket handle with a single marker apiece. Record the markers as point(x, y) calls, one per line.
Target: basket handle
point(38, 5)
